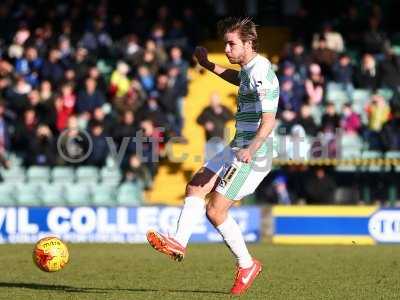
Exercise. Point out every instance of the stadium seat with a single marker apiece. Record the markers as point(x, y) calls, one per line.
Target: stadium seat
point(27, 194)
point(371, 155)
point(87, 174)
point(7, 194)
point(62, 174)
point(77, 194)
point(104, 194)
point(348, 153)
point(15, 160)
point(361, 96)
point(52, 195)
point(111, 176)
point(386, 93)
point(38, 174)
point(392, 155)
point(350, 142)
point(13, 175)
point(130, 194)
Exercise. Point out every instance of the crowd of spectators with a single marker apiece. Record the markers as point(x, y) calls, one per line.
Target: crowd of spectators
point(115, 70)
point(92, 66)
point(344, 76)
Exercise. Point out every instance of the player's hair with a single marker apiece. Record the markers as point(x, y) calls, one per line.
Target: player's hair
point(245, 26)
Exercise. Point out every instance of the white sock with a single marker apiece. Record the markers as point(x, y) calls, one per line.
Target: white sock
point(233, 238)
point(192, 212)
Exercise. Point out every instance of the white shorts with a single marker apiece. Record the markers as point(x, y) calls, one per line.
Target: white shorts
point(239, 179)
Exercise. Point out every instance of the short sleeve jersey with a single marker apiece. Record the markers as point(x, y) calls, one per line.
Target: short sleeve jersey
point(258, 93)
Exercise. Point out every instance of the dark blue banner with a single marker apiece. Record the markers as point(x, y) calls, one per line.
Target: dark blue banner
point(111, 224)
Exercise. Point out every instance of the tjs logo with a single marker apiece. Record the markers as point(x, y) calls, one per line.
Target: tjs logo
point(384, 226)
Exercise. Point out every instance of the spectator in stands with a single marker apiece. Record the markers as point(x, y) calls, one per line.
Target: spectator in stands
point(25, 132)
point(389, 70)
point(320, 188)
point(106, 120)
point(306, 120)
point(168, 99)
point(367, 76)
point(29, 66)
point(152, 110)
point(350, 121)
point(342, 72)
point(119, 82)
point(146, 79)
point(213, 118)
point(125, 128)
point(4, 131)
point(89, 99)
point(281, 191)
point(330, 120)
point(42, 148)
point(289, 99)
point(375, 39)
point(16, 95)
point(137, 173)
point(153, 138)
point(324, 57)
point(177, 60)
point(314, 85)
point(378, 112)
point(52, 69)
point(100, 148)
point(391, 133)
point(334, 39)
point(64, 106)
point(299, 58)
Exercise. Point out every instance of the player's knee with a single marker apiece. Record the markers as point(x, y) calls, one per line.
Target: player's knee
point(195, 190)
point(214, 215)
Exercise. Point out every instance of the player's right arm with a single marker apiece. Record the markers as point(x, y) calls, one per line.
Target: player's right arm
point(229, 75)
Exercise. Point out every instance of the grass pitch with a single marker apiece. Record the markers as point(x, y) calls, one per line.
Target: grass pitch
point(116, 271)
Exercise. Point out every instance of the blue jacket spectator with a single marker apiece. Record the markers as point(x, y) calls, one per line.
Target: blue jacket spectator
point(89, 98)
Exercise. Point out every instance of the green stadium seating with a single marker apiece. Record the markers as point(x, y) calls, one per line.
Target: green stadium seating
point(38, 174)
point(53, 194)
point(13, 175)
point(371, 155)
point(391, 155)
point(104, 195)
point(386, 93)
point(130, 194)
point(63, 174)
point(87, 174)
point(7, 194)
point(348, 153)
point(27, 194)
point(361, 95)
point(111, 176)
point(77, 194)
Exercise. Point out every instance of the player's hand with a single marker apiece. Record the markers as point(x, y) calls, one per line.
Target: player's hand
point(201, 55)
point(244, 155)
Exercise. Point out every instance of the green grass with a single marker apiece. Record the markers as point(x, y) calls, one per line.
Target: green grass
point(122, 272)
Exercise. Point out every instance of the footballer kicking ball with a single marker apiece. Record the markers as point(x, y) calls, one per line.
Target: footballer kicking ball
point(50, 254)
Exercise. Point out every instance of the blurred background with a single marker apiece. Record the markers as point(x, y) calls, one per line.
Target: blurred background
point(82, 71)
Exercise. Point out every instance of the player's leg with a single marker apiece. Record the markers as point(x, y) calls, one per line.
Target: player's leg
point(192, 212)
point(194, 205)
point(248, 268)
point(217, 213)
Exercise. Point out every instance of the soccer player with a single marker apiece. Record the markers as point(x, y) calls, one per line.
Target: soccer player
point(237, 170)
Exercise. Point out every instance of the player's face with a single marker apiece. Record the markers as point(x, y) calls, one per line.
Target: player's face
point(235, 48)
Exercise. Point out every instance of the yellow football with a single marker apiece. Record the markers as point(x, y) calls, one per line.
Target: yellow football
point(50, 254)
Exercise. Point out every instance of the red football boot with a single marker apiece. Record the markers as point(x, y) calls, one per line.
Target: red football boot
point(166, 245)
point(245, 277)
